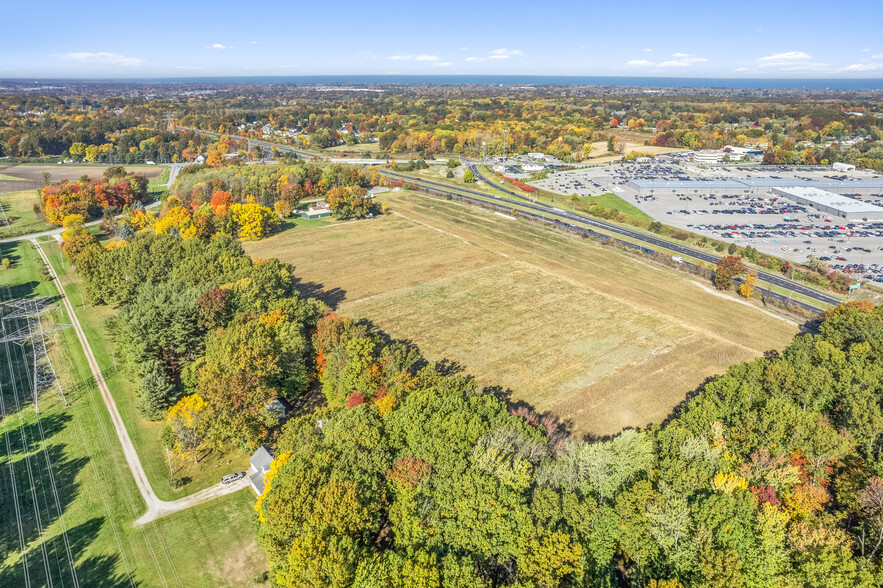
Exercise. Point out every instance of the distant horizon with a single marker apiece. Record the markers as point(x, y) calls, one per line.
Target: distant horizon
point(765, 83)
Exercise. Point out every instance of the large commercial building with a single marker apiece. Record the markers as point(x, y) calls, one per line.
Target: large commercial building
point(752, 186)
point(832, 204)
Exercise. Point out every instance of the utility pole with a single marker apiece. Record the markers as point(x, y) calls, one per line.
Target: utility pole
point(504, 143)
point(170, 121)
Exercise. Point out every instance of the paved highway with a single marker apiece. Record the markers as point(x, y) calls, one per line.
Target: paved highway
point(505, 206)
point(543, 208)
point(763, 276)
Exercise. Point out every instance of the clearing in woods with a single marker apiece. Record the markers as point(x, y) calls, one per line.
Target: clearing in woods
point(67, 497)
point(586, 332)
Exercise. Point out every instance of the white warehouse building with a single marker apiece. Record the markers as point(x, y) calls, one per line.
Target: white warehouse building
point(832, 204)
point(843, 166)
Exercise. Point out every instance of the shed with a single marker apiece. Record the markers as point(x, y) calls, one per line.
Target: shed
point(319, 210)
point(276, 407)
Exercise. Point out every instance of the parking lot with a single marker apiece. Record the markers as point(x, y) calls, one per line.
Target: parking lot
point(771, 224)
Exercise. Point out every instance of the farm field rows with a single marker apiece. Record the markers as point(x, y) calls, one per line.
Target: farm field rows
point(596, 337)
point(67, 493)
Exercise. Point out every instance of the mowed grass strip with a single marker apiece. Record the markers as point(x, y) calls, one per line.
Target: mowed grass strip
point(19, 210)
point(209, 545)
point(594, 335)
point(146, 435)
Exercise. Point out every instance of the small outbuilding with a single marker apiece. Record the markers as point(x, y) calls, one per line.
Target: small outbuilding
point(320, 210)
point(839, 166)
point(276, 407)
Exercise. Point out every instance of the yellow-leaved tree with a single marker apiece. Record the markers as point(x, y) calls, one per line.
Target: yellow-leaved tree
point(177, 221)
point(187, 419)
point(253, 220)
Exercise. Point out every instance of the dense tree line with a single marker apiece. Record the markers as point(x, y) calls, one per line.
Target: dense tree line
point(203, 325)
point(562, 122)
point(89, 196)
point(281, 188)
point(770, 476)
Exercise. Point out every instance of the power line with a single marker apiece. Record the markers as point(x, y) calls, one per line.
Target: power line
point(31, 309)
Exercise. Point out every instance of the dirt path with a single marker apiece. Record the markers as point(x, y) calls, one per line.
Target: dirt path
point(156, 508)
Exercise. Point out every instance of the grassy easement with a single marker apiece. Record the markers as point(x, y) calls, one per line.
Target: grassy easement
point(586, 332)
point(19, 209)
point(612, 201)
point(145, 434)
point(156, 187)
point(210, 545)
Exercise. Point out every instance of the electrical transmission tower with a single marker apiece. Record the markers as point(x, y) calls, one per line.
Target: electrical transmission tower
point(170, 120)
point(4, 222)
point(42, 373)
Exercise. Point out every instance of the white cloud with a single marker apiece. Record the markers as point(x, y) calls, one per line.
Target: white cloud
point(863, 67)
point(682, 60)
point(442, 64)
point(648, 50)
point(741, 69)
point(421, 57)
point(100, 57)
point(464, 48)
point(191, 67)
point(504, 53)
point(219, 46)
point(497, 54)
point(877, 56)
point(783, 59)
point(253, 43)
point(639, 63)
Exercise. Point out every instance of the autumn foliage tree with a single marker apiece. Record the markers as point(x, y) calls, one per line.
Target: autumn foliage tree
point(729, 267)
point(748, 283)
point(88, 196)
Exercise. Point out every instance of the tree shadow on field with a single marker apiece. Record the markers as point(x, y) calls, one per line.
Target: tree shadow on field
point(557, 428)
point(682, 405)
point(332, 297)
point(61, 486)
point(102, 571)
point(7, 251)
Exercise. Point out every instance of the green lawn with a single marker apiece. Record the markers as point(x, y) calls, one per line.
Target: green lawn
point(612, 201)
point(7, 178)
point(156, 187)
point(86, 507)
point(359, 148)
point(145, 434)
point(19, 209)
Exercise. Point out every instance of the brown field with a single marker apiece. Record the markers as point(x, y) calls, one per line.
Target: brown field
point(32, 175)
point(588, 333)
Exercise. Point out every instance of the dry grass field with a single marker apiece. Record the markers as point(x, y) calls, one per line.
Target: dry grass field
point(29, 177)
point(588, 333)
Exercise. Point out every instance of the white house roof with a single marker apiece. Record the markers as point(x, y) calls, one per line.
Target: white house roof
point(261, 460)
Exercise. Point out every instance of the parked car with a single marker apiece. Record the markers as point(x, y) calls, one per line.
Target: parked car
point(230, 478)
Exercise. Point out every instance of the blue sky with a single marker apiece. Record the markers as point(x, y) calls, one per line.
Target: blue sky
point(769, 39)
